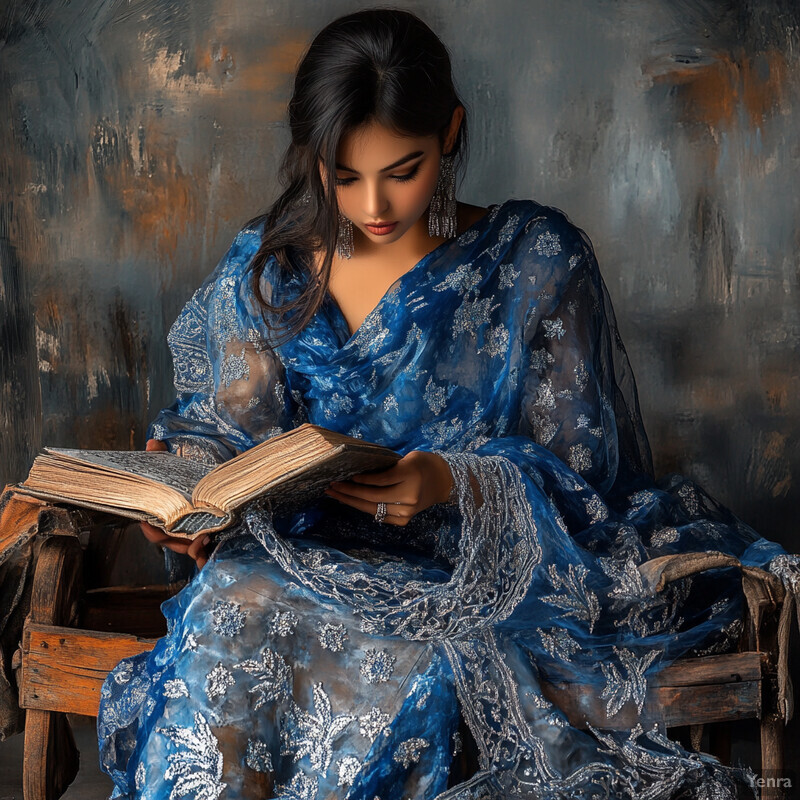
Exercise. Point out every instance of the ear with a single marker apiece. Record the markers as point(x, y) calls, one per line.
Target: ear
point(452, 130)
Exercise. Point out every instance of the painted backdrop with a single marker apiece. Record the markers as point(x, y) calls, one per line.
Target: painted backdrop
point(138, 135)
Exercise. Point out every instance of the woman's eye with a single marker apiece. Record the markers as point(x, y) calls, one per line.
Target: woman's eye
point(344, 181)
point(409, 176)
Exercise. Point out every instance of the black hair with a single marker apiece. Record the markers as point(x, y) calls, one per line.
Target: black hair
point(378, 65)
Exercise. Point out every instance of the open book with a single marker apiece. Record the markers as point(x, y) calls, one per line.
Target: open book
point(188, 498)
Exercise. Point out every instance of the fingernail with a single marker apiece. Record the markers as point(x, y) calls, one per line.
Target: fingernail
point(206, 539)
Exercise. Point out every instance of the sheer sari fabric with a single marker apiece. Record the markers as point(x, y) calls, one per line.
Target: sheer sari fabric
point(323, 655)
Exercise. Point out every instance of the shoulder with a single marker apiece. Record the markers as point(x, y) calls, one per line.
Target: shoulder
point(545, 232)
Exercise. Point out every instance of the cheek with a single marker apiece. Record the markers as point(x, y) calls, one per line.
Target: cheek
point(423, 189)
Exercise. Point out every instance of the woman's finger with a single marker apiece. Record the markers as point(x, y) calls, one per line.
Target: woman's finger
point(386, 478)
point(157, 536)
point(155, 446)
point(374, 494)
point(152, 533)
point(395, 515)
point(197, 550)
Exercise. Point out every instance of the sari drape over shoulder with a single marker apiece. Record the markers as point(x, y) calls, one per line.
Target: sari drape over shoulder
point(328, 655)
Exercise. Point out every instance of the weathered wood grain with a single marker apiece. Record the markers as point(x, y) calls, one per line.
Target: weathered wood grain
point(64, 668)
point(689, 692)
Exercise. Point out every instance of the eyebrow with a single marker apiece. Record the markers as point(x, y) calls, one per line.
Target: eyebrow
point(395, 165)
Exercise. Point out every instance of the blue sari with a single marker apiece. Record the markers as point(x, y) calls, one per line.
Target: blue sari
point(322, 654)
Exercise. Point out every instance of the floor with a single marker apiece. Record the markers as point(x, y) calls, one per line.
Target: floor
point(91, 783)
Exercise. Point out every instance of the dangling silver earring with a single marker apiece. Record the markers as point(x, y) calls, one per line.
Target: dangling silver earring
point(442, 211)
point(344, 238)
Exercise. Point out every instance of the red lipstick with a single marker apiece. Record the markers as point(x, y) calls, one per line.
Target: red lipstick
point(382, 229)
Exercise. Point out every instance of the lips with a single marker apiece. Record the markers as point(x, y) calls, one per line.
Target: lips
point(382, 229)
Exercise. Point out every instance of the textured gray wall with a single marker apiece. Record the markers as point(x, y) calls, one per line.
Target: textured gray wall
point(139, 135)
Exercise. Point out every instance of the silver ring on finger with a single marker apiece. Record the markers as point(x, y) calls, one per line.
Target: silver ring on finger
point(380, 513)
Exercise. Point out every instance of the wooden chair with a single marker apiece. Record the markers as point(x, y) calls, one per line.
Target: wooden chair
point(71, 641)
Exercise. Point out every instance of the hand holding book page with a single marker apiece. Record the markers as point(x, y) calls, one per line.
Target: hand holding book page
point(196, 549)
point(189, 499)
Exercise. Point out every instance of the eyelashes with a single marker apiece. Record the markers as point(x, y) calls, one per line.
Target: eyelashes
point(409, 176)
point(405, 178)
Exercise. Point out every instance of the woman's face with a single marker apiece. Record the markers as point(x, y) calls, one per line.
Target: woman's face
point(385, 181)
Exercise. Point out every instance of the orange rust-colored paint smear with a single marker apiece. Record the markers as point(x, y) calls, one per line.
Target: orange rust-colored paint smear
point(713, 93)
point(763, 80)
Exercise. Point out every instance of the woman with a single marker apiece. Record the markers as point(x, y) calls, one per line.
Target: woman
point(336, 652)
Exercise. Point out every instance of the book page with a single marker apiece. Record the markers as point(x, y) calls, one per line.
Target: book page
point(178, 473)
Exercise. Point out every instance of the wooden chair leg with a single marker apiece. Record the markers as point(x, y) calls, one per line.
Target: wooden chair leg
point(772, 764)
point(51, 759)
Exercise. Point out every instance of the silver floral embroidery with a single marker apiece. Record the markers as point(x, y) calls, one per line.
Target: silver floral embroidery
point(371, 335)
point(258, 757)
point(458, 743)
point(377, 666)
point(390, 403)
point(218, 681)
point(544, 429)
point(731, 634)
point(541, 359)
point(557, 719)
point(506, 235)
point(582, 422)
point(274, 677)
point(305, 734)
point(436, 396)
point(228, 618)
point(581, 375)
point(463, 279)
point(468, 237)
point(596, 508)
point(495, 341)
point(196, 767)
point(574, 260)
point(190, 643)
point(349, 767)
point(302, 787)
point(373, 724)
point(471, 314)
point(425, 694)
point(627, 682)
point(410, 751)
point(338, 404)
point(234, 368)
point(641, 498)
point(688, 495)
point(664, 536)
point(787, 568)
point(175, 688)
point(548, 244)
point(558, 643)
point(579, 458)
point(508, 276)
point(545, 396)
point(553, 328)
point(140, 776)
point(574, 598)
point(332, 637)
point(123, 673)
point(282, 623)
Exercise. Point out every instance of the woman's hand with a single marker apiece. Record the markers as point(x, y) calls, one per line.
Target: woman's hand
point(195, 548)
point(416, 482)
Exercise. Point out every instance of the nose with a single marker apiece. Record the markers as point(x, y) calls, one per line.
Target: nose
point(375, 201)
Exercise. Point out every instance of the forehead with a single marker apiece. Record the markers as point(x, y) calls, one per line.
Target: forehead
point(372, 147)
